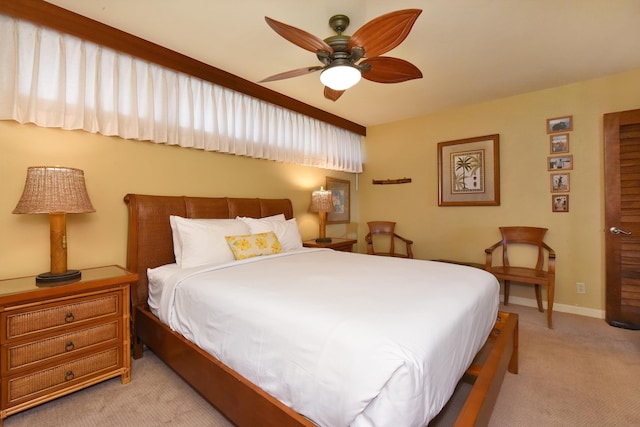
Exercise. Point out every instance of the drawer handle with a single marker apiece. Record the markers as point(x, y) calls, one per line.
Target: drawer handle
point(69, 317)
point(69, 346)
point(69, 376)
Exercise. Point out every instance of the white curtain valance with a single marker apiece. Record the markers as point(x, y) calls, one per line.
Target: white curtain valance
point(57, 80)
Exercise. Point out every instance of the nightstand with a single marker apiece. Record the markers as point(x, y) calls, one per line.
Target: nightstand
point(337, 243)
point(57, 339)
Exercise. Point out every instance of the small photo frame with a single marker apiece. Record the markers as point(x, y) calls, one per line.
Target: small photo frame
point(559, 143)
point(560, 203)
point(555, 163)
point(560, 124)
point(560, 182)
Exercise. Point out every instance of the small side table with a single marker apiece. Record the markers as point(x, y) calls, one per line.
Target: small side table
point(336, 243)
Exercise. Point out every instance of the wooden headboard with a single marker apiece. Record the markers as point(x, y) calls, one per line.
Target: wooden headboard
point(150, 242)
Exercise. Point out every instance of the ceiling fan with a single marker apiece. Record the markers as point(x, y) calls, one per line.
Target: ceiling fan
point(340, 54)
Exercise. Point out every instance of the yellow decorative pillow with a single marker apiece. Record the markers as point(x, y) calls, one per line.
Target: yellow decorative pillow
point(250, 245)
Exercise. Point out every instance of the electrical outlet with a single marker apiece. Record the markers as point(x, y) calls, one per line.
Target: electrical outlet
point(581, 288)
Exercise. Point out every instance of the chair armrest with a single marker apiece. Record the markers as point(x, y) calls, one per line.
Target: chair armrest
point(488, 262)
point(408, 244)
point(407, 241)
point(551, 260)
point(369, 241)
point(493, 247)
point(409, 250)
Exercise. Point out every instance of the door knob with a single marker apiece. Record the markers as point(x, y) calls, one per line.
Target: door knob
point(616, 230)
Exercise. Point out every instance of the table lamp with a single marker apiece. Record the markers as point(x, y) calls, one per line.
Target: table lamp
point(56, 191)
point(322, 202)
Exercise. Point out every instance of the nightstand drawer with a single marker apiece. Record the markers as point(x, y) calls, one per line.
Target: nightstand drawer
point(48, 349)
point(61, 376)
point(60, 315)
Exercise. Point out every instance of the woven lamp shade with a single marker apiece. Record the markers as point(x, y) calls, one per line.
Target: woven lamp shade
point(54, 189)
point(322, 201)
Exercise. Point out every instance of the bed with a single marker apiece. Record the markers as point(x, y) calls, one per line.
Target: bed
point(151, 246)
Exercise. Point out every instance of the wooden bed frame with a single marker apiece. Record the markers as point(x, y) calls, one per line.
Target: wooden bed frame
point(150, 245)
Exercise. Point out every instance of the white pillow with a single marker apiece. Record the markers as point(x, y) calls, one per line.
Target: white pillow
point(202, 241)
point(286, 230)
point(177, 243)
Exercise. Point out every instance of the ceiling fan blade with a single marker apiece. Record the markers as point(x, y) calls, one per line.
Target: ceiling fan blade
point(385, 69)
point(291, 73)
point(332, 94)
point(298, 37)
point(385, 32)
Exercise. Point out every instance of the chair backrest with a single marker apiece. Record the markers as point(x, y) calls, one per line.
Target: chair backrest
point(387, 229)
point(384, 228)
point(523, 235)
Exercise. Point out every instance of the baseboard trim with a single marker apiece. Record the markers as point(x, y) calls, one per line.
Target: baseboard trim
point(564, 308)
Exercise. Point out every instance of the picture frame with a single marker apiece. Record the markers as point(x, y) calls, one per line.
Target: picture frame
point(560, 203)
point(560, 182)
point(560, 124)
point(469, 171)
point(555, 163)
point(559, 143)
point(340, 191)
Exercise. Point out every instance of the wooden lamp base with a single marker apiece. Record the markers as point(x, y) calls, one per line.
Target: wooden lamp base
point(58, 236)
point(322, 230)
point(59, 278)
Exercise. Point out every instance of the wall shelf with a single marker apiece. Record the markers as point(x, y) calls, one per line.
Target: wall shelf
point(391, 181)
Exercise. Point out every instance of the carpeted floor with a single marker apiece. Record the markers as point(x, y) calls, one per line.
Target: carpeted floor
point(582, 373)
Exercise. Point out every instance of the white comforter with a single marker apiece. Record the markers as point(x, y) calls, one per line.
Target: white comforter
point(345, 339)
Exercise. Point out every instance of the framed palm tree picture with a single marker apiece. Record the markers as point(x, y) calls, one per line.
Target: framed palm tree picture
point(469, 172)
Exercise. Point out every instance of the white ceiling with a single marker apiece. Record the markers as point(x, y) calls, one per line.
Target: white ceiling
point(469, 51)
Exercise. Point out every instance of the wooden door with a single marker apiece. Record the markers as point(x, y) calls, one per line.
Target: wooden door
point(622, 218)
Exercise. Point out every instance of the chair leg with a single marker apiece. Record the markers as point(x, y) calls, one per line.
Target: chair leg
point(506, 292)
point(539, 298)
point(550, 295)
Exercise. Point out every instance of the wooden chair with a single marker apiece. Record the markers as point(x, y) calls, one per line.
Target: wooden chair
point(537, 276)
point(387, 229)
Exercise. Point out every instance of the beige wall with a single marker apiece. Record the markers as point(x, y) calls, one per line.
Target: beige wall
point(409, 149)
point(114, 167)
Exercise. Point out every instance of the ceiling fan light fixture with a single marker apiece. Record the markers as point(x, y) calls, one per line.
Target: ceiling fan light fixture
point(340, 77)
